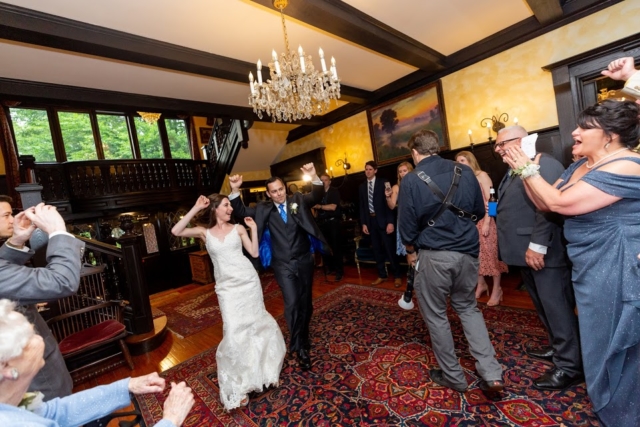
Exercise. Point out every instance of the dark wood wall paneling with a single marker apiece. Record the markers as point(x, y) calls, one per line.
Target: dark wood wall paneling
point(574, 84)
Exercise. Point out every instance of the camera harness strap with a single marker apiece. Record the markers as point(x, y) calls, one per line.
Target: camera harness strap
point(446, 200)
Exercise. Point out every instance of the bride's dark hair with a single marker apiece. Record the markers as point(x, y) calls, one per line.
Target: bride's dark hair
point(207, 217)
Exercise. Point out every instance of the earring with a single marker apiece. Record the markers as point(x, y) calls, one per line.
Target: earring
point(606, 146)
point(14, 373)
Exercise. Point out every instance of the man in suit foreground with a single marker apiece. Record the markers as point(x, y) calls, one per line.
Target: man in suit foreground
point(28, 286)
point(532, 240)
point(446, 265)
point(378, 221)
point(289, 223)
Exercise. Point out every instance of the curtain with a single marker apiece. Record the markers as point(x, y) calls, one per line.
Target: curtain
point(10, 154)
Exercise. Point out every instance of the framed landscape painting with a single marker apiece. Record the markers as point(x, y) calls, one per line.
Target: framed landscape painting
point(393, 123)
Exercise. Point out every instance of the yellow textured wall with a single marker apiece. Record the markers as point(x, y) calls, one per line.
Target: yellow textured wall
point(513, 81)
point(350, 136)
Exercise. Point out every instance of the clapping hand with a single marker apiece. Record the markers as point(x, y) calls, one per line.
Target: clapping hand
point(23, 228)
point(151, 383)
point(202, 202)
point(46, 218)
point(516, 158)
point(235, 181)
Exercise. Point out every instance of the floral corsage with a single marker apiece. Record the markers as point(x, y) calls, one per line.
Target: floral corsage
point(294, 208)
point(526, 171)
point(31, 401)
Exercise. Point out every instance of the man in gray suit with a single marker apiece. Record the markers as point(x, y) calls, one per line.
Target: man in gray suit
point(532, 240)
point(28, 286)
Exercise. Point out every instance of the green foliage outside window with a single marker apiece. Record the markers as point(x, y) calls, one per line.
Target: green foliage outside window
point(178, 139)
point(114, 134)
point(33, 134)
point(149, 140)
point(77, 136)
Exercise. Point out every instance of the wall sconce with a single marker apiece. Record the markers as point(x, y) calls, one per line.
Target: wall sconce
point(494, 123)
point(344, 164)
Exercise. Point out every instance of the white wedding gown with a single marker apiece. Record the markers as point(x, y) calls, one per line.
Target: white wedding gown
point(252, 349)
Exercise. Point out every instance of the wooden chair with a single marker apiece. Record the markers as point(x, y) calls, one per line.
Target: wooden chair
point(364, 252)
point(87, 324)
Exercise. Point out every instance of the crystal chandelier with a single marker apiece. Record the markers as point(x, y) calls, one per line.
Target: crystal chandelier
point(150, 118)
point(295, 90)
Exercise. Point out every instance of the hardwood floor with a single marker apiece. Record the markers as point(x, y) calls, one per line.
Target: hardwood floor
point(175, 350)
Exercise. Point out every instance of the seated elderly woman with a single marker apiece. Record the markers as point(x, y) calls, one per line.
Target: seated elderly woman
point(21, 352)
point(599, 197)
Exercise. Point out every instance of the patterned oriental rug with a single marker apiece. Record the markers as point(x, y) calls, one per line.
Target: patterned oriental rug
point(198, 310)
point(371, 362)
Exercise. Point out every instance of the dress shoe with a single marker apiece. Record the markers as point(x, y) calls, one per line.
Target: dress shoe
point(557, 379)
point(494, 385)
point(397, 282)
point(378, 281)
point(338, 277)
point(437, 376)
point(545, 353)
point(304, 359)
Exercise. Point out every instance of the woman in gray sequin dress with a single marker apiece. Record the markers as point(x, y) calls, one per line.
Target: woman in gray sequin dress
point(600, 198)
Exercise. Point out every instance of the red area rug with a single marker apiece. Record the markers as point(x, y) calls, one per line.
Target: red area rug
point(371, 362)
point(198, 310)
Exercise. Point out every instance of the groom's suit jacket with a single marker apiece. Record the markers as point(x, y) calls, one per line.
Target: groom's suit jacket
point(264, 212)
point(519, 222)
point(27, 286)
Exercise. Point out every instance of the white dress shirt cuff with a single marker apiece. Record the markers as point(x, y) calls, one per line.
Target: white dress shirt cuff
point(538, 248)
point(56, 233)
point(233, 196)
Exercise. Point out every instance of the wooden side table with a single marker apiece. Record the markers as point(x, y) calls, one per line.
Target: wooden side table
point(201, 268)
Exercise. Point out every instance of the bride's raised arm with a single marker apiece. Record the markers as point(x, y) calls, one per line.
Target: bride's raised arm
point(250, 244)
point(181, 229)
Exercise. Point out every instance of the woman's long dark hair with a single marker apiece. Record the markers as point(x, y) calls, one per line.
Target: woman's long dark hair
point(207, 217)
point(614, 117)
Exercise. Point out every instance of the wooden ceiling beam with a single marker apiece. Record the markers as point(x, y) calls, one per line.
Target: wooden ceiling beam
point(342, 20)
point(546, 11)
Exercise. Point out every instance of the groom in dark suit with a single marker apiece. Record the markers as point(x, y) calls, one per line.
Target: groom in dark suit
point(290, 223)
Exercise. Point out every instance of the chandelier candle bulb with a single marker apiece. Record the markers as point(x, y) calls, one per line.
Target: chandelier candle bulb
point(515, 120)
point(334, 70)
point(489, 130)
point(324, 65)
point(259, 73)
point(301, 53)
point(470, 140)
point(253, 92)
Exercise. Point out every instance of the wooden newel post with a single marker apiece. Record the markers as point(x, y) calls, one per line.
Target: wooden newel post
point(136, 283)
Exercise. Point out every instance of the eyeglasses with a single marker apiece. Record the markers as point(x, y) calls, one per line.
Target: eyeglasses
point(505, 142)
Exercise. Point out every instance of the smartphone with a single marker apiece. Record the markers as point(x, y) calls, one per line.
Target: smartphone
point(528, 144)
point(387, 185)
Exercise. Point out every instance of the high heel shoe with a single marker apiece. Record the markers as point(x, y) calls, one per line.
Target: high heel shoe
point(492, 302)
point(481, 290)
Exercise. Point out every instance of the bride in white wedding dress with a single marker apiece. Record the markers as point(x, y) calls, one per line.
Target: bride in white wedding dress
point(252, 350)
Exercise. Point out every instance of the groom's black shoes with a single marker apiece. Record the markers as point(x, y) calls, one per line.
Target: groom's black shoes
point(304, 359)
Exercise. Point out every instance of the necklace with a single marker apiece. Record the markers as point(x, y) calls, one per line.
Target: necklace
point(605, 157)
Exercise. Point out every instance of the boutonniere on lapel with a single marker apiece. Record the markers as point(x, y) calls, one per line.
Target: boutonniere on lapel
point(294, 208)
